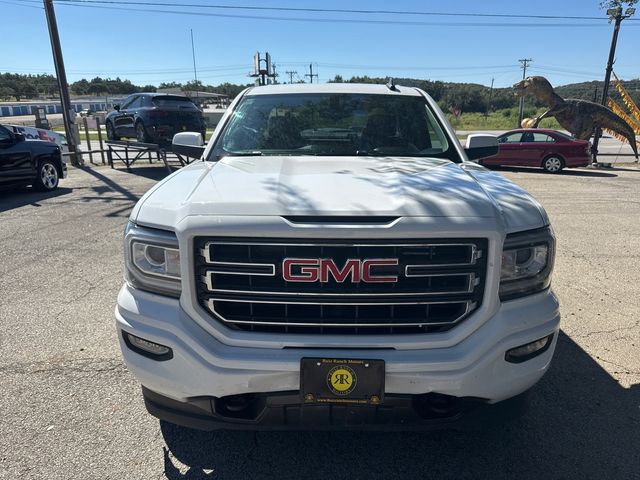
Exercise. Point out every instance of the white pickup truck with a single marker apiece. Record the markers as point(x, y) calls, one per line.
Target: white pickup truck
point(336, 261)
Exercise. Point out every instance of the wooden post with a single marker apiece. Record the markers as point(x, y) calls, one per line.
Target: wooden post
point(86, 133)
point(110, 156)
point(100, 139)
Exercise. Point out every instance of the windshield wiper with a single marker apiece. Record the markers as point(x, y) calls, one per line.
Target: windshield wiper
point(252, 153)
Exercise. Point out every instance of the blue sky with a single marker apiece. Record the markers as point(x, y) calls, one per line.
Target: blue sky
point(149, 47)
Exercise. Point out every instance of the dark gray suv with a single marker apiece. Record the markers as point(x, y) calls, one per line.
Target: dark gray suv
point(154, 118)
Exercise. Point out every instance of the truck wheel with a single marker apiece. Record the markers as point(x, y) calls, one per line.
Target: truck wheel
point(553, 164)
point(111, 132)
point(141, 133)
point(48, 178)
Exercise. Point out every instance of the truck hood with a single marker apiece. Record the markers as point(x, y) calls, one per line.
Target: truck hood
point(337, 186)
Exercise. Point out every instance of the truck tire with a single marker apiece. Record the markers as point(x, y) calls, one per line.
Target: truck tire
point(48, 177)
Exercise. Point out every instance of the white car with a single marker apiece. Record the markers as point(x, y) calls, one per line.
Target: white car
point(336, 261)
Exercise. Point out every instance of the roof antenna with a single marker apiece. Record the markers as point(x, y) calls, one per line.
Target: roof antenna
point(391, 85)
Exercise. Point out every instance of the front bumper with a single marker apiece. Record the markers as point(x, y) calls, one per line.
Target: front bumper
point(204, 367)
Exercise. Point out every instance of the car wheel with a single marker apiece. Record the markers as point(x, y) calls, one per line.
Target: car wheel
point(553, 164)
point(141, 133)
point(111, 132)
point(48, 177)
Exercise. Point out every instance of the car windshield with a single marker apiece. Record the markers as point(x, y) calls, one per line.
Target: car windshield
point(333, 124)
point(176, 102)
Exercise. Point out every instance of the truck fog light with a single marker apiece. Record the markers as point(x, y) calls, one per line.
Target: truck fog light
point(528, 351)
point(147, 348)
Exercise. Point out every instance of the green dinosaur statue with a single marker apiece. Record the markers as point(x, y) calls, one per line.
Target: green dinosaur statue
point(580, 117)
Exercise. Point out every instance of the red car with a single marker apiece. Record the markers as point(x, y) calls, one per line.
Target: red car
point(540, 147)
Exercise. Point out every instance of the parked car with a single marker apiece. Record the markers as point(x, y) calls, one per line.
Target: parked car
point(153, 118)
point(29, 163)
point(540, 147)
point(42, 135)
point(336, 260)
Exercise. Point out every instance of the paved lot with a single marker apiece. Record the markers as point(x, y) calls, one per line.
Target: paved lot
point(70, 410)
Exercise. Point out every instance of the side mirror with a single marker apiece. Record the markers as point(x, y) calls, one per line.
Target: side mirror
point(19, 137)
point(116, 108)
point(189, 144)
point(481, 145)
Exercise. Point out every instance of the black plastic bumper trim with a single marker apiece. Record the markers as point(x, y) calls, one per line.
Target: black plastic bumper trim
point(283, 411)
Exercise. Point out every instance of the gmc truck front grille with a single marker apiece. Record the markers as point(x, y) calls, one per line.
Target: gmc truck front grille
point(340, 287)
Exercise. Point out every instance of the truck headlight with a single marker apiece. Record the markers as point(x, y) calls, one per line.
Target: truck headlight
point(152, 260)
point(527, 263)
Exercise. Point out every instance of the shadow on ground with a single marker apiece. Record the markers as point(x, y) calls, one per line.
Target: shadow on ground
point(20, 196)
point(582, 424)
point(153, 172)
point(156, 172)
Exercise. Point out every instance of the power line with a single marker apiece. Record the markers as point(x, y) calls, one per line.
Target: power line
point(20, 4)
point(101, 5)
point(338, 10)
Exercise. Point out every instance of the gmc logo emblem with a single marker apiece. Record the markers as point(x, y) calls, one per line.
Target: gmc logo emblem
point(321, 269)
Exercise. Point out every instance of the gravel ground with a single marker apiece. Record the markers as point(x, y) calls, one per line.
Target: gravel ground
point(71, 410)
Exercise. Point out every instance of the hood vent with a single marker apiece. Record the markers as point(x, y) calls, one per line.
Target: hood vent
point(335, 220)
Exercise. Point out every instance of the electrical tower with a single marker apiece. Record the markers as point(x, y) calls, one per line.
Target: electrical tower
point(291, 73)
point(263, 69)
point(311, 74)
point(524, 63)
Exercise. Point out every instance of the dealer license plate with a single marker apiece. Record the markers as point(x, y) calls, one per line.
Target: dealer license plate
point(342, 381)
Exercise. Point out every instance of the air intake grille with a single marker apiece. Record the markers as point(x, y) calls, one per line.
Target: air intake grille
point(340, 287)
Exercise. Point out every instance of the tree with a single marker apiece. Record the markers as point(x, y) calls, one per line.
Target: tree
point(170, 85)
point(81, 87)
point(6, 92)
point(193, 86)
point(28, 90)
point(607, 4)
point(97, 88)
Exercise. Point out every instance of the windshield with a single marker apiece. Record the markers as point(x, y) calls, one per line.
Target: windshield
point(170, 101)
point(333, 124)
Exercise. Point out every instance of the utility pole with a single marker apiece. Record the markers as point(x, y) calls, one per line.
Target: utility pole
point(489, 101)
point(311, 74)
point(62, 82)
point(195, 72)
point(524, 62)
point(291, 73)
point(616, 15)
